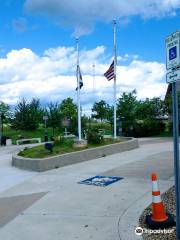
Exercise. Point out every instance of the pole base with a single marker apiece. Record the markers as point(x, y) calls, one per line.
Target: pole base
point(160, 225)
point(80, 143)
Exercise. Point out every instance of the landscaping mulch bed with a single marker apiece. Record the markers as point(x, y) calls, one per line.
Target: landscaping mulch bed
point(169, 203)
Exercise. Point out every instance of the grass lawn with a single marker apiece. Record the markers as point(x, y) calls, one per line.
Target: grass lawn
point(39, 133)
point(65, 146)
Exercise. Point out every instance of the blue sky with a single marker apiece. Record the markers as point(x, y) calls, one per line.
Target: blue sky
point(29, 28)
point(144, 37)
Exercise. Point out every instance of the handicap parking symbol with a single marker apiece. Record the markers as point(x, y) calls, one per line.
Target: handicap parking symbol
point(101, 181)
point(172, 53)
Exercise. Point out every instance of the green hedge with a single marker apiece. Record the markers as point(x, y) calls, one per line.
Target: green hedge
point(148, 128)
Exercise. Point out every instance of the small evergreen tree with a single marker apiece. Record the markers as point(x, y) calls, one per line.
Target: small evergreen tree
point(27, 115)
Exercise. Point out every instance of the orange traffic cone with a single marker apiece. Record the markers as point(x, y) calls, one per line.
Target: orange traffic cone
point(158, 212)
point(159, 218)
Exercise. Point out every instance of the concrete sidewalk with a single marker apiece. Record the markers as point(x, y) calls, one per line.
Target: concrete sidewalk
point(70, 211)
point(11, 176)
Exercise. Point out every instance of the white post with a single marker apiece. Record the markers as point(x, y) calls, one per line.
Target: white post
point(78, 91)
point(115, 64)
point(93, 77)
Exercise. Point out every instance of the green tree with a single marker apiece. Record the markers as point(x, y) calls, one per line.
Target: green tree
point(126, 109)
point(101, 111)
point(109, 115)
point(27, 115)
point(4, 114)
point(68, 110)
point(4, 110)
point(150, 112)
point(151, 108)
point(54, 116)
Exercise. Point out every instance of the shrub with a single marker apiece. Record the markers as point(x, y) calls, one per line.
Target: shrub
point(148, 128)
point(170, 126)
point(94, 137)
point(64, 142)
point(104, 125)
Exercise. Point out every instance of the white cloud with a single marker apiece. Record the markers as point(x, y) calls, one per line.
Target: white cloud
point(51, 77)
point(82, 14)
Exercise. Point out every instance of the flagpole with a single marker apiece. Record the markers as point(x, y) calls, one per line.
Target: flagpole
point(115, 64)
point(78, 91)
point(93, 77)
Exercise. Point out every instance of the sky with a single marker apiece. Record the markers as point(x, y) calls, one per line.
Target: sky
point(38, 48)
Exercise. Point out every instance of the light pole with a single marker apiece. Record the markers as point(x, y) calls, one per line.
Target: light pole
point(93, 77)
point(45, 118)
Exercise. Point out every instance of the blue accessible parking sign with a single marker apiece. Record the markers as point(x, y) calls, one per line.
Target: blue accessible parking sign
point(172, 53)
point(101, 181)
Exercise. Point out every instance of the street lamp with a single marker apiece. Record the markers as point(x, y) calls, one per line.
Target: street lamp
point(45, 118)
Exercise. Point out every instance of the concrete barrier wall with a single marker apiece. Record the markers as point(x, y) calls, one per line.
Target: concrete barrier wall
point(45, 164)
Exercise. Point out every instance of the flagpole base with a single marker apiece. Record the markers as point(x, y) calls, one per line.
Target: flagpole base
point(80, 143)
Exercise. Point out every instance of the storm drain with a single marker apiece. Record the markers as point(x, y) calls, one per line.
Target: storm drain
point(101, 181)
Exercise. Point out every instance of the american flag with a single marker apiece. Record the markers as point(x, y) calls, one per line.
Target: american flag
point(80, 77)
point(109, 74)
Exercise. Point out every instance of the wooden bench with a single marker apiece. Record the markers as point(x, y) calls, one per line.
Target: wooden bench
point(28, 140)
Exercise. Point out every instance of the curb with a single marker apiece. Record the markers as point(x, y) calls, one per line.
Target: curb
point(40, 165)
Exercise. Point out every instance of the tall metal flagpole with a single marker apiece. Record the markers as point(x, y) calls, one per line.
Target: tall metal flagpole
point(78, 91)
point(115, 64)
point(93, 77)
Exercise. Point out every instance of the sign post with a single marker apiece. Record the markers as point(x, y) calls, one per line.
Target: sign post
point(0, 128)
point(172, 64)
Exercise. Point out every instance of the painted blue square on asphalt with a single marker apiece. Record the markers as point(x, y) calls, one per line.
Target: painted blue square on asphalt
point(172, 53)
point(101, 181)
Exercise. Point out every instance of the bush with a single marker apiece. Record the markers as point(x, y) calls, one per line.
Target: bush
point(94, 137)
point(104, 125)
point(148, 128)
point(64, 142)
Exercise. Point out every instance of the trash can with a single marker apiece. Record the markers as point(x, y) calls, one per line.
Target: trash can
point(3, 141)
